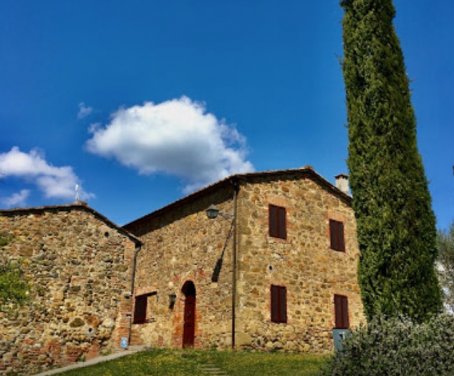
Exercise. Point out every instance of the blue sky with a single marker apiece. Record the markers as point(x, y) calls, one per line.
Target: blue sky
point(220, 87)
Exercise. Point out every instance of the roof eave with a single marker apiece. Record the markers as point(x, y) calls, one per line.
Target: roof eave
point(77, 205)
point(306, 170)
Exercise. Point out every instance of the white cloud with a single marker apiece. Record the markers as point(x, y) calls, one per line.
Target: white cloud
point(84, 110)
point(177, 137)
point(16, 199)
point(54, 182)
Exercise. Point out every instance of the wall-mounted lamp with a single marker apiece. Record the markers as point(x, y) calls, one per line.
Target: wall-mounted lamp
point(172, 300)
point(213, 212)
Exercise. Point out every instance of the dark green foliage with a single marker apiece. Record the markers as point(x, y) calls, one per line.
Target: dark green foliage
point(396, 225)
point(397, 348)
point(446, 260)
point(13, 287)
point(4, 240)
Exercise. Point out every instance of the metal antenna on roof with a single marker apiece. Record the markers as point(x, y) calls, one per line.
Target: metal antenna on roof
point(76, 188)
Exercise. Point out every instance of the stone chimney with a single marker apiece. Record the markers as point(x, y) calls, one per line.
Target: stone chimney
point(342, 183)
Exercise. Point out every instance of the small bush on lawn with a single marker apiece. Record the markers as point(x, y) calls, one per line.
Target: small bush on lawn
point(397, 347)
point(13, 287)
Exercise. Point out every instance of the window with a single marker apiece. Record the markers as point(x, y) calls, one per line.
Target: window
point(142, 309)
point(341, 312)
point(277, 222)
point(336, 233)
point(278, 304)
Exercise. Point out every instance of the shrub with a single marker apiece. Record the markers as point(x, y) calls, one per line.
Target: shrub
point(4, 239)
point(13, 287)
point(397, 347)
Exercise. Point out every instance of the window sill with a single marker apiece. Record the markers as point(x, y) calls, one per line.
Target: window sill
point(147, 321)
point(272, 239)
point(338, 250)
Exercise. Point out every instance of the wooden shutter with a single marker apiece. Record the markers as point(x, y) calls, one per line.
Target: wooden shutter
point(272, 220)
point(277, 222)
point(140, 310)
point(340, 234)
point(341, 312)
point(282, 223)
point(274, 303)
point(278, 304)
point(336, 233)
point(282, 304)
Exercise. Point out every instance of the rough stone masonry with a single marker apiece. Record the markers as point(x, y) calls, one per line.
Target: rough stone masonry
point(181, 245)
point(79, 267)
point(186, 290)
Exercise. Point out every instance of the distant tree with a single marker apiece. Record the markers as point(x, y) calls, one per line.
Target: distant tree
point(395, 222)
point(446, 263)
point(13, 287)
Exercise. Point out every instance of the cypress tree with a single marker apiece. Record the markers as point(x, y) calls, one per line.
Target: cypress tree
point(395, 221)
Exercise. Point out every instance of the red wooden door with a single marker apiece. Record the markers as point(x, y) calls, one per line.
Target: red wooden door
point(189, 321)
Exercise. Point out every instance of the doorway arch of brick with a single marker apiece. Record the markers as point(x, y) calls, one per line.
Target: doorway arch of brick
point(189, 317)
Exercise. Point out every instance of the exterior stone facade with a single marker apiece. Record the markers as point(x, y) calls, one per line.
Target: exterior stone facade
point(181, 244)
point(304, 263)
point(195, 281)
point(79, 266)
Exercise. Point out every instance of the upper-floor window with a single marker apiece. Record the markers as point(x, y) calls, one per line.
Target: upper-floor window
point(336, 234)
point(277, 222)
point(278, 304)
point(341, 312)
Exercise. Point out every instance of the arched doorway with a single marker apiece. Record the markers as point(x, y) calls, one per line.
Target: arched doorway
point(189, 314)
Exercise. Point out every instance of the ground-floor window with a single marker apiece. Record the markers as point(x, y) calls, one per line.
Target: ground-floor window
point(278, 304)
point(341, 312)
point(143, 307)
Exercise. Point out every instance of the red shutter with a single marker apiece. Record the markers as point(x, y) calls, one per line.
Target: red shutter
point(282, 223)
point(336, 234)
point(273, 220)
point(140, 310)
point(278, 304)
point(345, 312)
point(341, 312)
point(332, 234)
point(274, 303)
point(277, 221)
point(282, 304)
point(338, 311)
point(341, 236)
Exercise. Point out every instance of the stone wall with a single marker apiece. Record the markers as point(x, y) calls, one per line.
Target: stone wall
point(304, 263)
point(181, 244)
point(79, 268)
point(184, 245)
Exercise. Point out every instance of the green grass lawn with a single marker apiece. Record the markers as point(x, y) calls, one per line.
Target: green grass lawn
point(189, 362)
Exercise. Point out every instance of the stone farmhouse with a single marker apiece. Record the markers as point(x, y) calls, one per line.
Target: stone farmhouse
point(264, 261)
point(276, 269)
